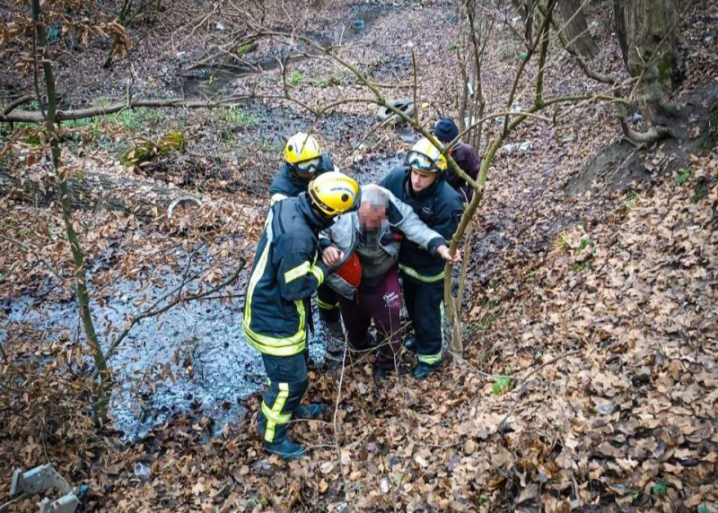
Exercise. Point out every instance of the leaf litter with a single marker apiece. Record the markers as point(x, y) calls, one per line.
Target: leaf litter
point(603, 304)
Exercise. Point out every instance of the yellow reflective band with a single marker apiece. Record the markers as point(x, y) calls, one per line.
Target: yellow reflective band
point(282, 418)
point(274, 416)
point(254, 279)
point(429, 359)
point(302, 270)
point(297, 272)
point(326, 306)
point(277, 197)
point(286, 346)
point(318, 274)
point(426, 279)
point(302, 315)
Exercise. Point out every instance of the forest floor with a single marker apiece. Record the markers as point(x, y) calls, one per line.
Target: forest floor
point(589, 379)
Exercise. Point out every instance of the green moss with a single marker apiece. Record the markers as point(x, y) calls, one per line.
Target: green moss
point(245, 49)
point(665, 72)
point(33, 139)
point(147, 151)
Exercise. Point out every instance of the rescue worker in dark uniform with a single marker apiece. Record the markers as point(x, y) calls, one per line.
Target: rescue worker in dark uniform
point(286, 273)
point(304, 162)
point(421, 184)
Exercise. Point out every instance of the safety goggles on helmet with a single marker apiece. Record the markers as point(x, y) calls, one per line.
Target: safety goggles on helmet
point(308, 168)
point(421, 162)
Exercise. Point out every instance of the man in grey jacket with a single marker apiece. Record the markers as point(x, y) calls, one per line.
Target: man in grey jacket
point(374, 233)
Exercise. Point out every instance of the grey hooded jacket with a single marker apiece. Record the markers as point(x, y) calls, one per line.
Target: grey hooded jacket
point(378, 251)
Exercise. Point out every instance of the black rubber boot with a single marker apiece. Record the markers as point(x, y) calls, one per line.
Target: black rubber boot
point(410, 343)
point(422, 370)
point(311, 411)
point(286, 449)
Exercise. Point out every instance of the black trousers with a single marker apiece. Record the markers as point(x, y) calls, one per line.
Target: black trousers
point(425, 306)
point(288, 380)
point(328, 304)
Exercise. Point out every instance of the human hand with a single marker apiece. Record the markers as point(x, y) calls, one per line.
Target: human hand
point(444, 253)
point(331, 256)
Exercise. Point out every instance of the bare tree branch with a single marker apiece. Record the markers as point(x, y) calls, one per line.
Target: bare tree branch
point(118, 106)
point(180, 299)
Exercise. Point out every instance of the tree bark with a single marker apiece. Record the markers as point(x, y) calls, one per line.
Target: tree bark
point(646, 33)
point(575, 27)
point(94, 191)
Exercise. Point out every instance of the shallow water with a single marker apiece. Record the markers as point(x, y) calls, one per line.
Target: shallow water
point(193, 359)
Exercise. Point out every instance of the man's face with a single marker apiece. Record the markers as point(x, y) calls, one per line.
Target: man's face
point(371, 217)
point(420, 180)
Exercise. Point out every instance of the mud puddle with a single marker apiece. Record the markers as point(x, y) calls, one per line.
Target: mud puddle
point(193, 360)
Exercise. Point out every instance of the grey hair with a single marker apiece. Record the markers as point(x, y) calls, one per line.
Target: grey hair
point(375, 197)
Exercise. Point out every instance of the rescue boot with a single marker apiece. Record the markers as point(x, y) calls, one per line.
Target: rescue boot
point(330, 317)
point(286, 449)
point(311, 411)
point(422, 370)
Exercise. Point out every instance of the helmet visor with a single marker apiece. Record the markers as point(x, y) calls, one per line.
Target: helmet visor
point(307, 168)
point(421, 162)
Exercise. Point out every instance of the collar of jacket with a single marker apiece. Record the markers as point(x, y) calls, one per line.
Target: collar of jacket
point(315, 222)
point(426, 193)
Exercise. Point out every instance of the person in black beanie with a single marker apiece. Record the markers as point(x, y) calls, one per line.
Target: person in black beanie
point(464, 155)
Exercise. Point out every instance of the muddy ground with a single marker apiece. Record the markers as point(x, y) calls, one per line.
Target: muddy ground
point(533, 294)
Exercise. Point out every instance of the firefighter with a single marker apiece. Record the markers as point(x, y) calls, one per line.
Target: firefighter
point(421, 184)
point(287, 271)
point(367, 279)
point(304, 161)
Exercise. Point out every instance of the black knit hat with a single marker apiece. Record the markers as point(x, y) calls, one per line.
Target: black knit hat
point(446, 130)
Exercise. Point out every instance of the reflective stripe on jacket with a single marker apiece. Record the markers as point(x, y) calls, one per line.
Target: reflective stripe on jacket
point(286, 272)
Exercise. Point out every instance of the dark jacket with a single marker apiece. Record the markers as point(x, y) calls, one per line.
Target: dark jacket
point(286, 272)
point(288, 185)
point(466, 158)
point(439, 207)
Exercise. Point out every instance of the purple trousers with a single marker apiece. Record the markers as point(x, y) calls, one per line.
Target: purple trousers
point(382, 303)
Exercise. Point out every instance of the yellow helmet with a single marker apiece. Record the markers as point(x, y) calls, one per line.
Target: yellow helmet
point(424, 156)
point(301, 148)
point(334, 193)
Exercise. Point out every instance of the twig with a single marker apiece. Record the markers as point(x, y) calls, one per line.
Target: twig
point(30, 250)
point(20, 101)
point(416, 103)
point(336, 421)
point(180, 299)
point(6, 506)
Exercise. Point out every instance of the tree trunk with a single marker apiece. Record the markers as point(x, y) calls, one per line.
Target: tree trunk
point(103, 387)
point(95, 191)
point(575, 27)
point(646, 33)
point(525, 9)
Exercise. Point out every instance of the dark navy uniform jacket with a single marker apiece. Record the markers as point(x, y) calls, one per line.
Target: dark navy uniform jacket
point(439, 206)
point(286, 273)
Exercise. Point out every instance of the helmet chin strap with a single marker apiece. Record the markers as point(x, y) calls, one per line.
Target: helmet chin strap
point(324, 218)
